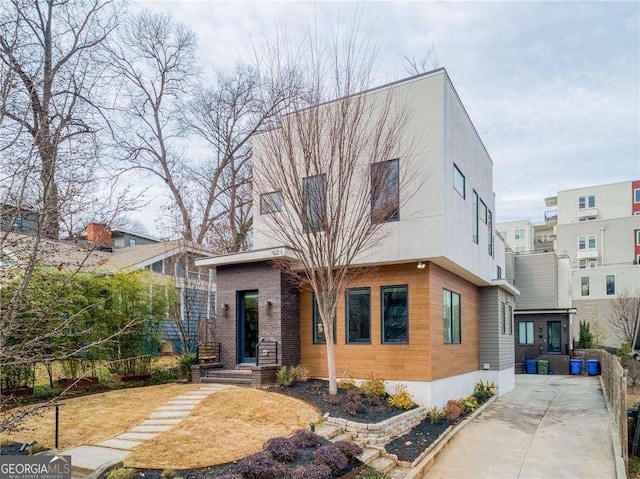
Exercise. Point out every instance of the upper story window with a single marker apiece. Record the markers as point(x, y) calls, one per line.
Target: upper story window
point(458, 181)
point(314, 190)
point(490, 233)
point(586, 202)
point(584, 285)
point(483, 212)
point(587, 242)
point(157, 267)
point(271, 202)
point(610, 281)
point(474, 204)
point(519, 249)
point(520, 233)
point(385, 191)
point(499, 272)
point(17, 222)
point(636, 195)
point(637, 237)
point(132, 242)
point(504, 235)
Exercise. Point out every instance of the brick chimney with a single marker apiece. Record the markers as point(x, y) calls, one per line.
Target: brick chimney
point(99, 235)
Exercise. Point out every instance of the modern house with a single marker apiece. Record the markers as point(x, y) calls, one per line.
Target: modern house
point(433, 314)
point(597, 229)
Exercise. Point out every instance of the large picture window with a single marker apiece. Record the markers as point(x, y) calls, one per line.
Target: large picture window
point(452, 317)
point(385, 191)
point(525, 332)
point(319, 336)
point(395, 322)
point(314, 189)
point(358, 315)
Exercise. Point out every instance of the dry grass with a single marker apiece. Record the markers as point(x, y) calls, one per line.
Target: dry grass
point(633, 396)
point(94, 418)
point(224, 427)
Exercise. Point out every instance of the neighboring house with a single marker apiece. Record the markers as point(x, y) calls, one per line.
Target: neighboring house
point(19, 220)
point(543, 310)
point(196, 285)
point(598, 229)
point(431, 310)
point(525, 236)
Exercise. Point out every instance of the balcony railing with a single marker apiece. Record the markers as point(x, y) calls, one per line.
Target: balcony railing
point(587, 253)
point(586, 213)
point(551, 215)
point(266, 353)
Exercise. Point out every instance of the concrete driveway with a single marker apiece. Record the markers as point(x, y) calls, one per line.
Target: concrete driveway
point(548, 427)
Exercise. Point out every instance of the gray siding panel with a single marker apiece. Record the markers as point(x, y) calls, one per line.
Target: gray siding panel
point(496, 349)
point(537, 280)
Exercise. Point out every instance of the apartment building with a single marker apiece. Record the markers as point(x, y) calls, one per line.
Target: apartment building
point(432, 314)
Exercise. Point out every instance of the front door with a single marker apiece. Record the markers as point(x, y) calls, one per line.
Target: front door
point(247, 326)
point(554, 337)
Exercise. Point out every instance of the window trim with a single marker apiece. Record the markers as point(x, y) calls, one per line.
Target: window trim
point(346, 315)
point(382, 334)
point(392, 217)
point(263, 202)
point(462, 193)
point(452, 319)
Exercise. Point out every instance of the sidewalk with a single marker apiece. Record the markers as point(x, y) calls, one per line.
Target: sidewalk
point(549, 426)
point(86, 459)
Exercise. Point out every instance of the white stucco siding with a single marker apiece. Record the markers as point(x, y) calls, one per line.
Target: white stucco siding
point(611, 201)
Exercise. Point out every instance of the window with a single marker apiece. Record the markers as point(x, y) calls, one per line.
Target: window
point(157, 267)
point(611, 284)
point(582, 264)
point(17, 223)
point(314, 189)
point(132, 242)
point(271, 202)
point(525, 332)
point(318, 328)
point(452, 317)
point(636, 195)
point(483, 212)
point(519, 249)
point(458, 181)
point(510, 320)
point(358, 314)
point(385, 191)
point(503, 317)
point(499, 272)
point(591, 201)
point(474, 202)
point(520, 234)
point(587, 242)
point(504, 235)
point(395, 323)
point(586, 201)
point(584, 286)
point(581, 202)
point(637, 237)
point(490, 233)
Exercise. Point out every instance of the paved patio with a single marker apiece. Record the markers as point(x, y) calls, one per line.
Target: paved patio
point(549, 426)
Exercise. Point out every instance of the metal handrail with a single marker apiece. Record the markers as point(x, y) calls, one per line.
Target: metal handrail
point(269, 347)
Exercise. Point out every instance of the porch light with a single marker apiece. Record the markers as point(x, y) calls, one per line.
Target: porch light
point(421, 265)
point(225, 309)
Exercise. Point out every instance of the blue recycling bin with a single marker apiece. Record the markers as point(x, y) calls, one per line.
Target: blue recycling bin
point(593, 367)
point(576, 367)
point(532, 366)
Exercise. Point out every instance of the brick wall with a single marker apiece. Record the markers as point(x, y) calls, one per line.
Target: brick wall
point(290, 323)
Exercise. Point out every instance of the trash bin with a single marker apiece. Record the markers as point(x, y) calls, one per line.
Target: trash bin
point(531, 366)
point(543, 366)
point(593, 367)
point(576, 366)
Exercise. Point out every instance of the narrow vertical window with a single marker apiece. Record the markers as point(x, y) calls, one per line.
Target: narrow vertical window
point(510, 320)
point(319, 336)
point(591, 201)
point(490, 233)
point(458, 181)
point(592, 242)
point(611, 284)
point(314, 190)
point(395, 323)
point(582, 202)
point(584, 286)
point(452, 317)
point(503, 317)
point(358, 315)
point(385, 191)
point(582, 242)
point(474, 201)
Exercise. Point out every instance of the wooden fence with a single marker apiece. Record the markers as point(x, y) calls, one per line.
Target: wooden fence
point(614, 382)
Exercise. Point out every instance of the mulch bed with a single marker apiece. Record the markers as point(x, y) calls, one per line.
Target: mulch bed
point(412, 444)
point(13, 449)
point(314, 391)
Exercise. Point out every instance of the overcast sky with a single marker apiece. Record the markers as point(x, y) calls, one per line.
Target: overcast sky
point(553, 88)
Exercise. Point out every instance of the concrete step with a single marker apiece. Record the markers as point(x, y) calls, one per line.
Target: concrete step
point(369, 454)
point(399, 472)
point(328, 432)
point(86, 459)
point(383, 464)
point(226, 380)
point(345, 436)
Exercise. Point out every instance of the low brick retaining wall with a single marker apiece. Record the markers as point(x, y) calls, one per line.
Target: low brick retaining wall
point(381, 432)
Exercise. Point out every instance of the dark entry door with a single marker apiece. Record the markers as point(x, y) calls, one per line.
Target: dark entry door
point(247, 326)
point(554, 336)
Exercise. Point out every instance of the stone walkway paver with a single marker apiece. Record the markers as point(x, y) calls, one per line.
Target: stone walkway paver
point(91, 457)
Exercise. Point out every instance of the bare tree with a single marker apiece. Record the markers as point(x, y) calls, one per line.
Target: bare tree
point(624, 316)
point(49, 49)
point(328, 179)
point(416, 66)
